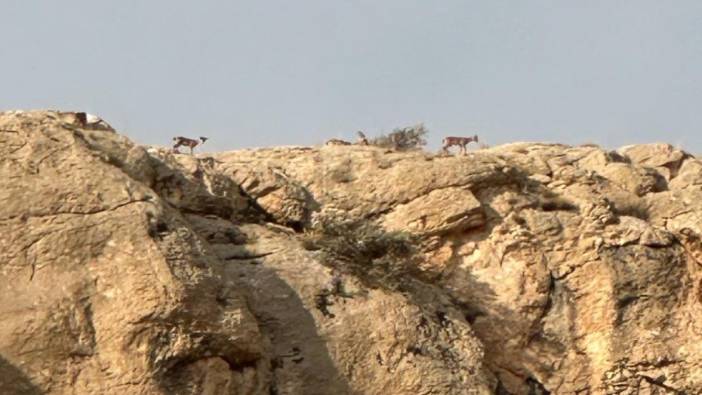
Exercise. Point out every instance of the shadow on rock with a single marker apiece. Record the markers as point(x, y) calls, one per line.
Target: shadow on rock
point(300, 358)
point(15, 381)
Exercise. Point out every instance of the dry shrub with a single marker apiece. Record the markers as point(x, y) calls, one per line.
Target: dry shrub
point(551, 201)
point(403, 139)
point(614, 156)
point(362, 248)
point(589, 145)
point(631, 208)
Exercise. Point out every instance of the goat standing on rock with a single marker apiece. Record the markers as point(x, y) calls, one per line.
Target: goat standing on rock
point(92, 122)
point(186, 142)
point(362, 140)
point(459, 141)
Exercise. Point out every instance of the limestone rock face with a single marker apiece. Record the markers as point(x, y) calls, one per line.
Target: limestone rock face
point(574, 266)
point(134, 270)
point(534, 268)
point(439, 211)
point(662, 157)
point(106, 288)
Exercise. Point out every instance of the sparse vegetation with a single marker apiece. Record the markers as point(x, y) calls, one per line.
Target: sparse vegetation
point(614, 156)
point(551, 201)
point(589, 145)
point(630, 207)
point(403, 139)
point(364, 249)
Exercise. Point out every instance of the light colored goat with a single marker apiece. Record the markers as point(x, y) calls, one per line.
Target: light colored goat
point(459, 141)
point(362, 140)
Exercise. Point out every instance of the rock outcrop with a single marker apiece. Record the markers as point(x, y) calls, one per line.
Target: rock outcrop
point(525, 268)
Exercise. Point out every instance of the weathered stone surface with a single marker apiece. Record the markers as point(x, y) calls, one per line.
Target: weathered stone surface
point(634, 179)
point(192, 185)
point(106, 289)
point(130, 271)
point(653, 155)
point(360, 181)
point(537, 267)
point(662, 157)
point(439, 211)
point(275, 192)
point(572, 251)
point(370, 341)
point(689, 175)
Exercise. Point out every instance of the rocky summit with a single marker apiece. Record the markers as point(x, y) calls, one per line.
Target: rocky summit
point(521, 269)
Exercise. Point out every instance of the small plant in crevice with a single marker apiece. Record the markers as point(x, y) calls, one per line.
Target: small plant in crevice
point(362, 248)
point(630, 207)
point(614, 156)
point(551, 201)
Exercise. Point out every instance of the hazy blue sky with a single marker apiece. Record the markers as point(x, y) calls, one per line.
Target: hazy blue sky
point(258, 73)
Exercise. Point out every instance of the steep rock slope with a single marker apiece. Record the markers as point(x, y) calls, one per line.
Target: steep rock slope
point(106, 288)
point(129, 270)
point(577, 268)
point(535, 268)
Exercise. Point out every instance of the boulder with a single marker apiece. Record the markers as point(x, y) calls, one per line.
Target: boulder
point(439, 211)
point(662, 157)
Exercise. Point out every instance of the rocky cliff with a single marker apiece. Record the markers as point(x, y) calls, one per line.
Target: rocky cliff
point(525, 268)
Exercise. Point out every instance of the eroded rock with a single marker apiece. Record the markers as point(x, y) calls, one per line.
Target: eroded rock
point(106, 287)
point(440, 211)
point(536, 267)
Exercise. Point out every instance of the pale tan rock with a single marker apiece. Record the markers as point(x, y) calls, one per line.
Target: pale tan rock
point(662, 157)
point(573, 247)
point(376, 342)
point(634, 179)
point(284, 200)
point(538, 267)
point(631, 230)
point(440, 211)
point(689, 175)
point(129, 271)
point(106, 289)
point(360, 180)
point(192, 184)
point(653, 155)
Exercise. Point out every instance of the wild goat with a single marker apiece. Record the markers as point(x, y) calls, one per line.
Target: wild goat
point(362, 140)
point(459, 141)
point(90, 121)
point(186, 142)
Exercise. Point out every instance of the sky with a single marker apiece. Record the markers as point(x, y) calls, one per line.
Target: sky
point(266, 73)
